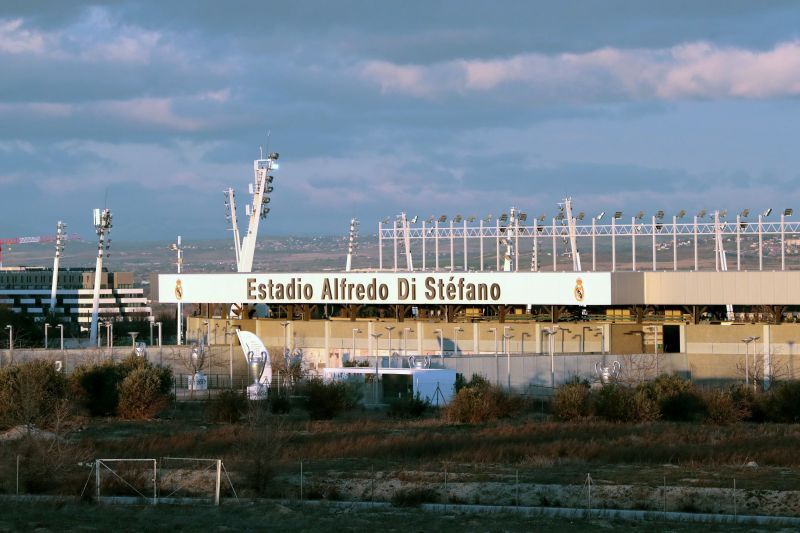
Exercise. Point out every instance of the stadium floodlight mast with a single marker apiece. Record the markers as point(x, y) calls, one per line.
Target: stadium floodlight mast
point(761, 216)
point(178, 249)
point(595, 220)
point(102, 224)
point(60, 234)
point(617, 216)
point(351, 243)
point(680, 214)
point(786, 213)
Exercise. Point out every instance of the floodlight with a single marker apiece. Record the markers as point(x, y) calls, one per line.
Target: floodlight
point(640, 215)
point(660, 214)
point(600, 215)
point(560, 215)
point(681, 213)
point(581, 215)
point(414, 219)
point(723, 213)
point(442, 218)
point(504, 217)
point(788, 212)
point(488, 217)
point(385, 220)
point(745, 213)
point(457, 219)
point(471, 219)
point(523, 217)
point(542, 217)
point(617, 215)
point(767, 212)
point(701, 214)
point(431, 219)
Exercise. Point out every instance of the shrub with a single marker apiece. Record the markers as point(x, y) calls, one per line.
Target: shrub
point(412, 407)
point(97, 387)
point(677, 398)
point(783, 402)
point(619, 403)
point(722, 409)
point(144, 392)
point(228, 406)
point(571, 400)
point(413, 497)
point(480, 401)
point(324, 400)
point(279, 402)
point(30, 394)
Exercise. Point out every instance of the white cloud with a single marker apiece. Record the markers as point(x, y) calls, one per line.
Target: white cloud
point(688, 71)
point(14, 39)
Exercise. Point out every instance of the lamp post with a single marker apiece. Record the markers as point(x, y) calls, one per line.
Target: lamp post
point(353, 352)
point(456, 331)
point(522, 341)
point(285, 326)
point(376, 336)
point(747, 341)
point(602, 332)
point(46, 327)
point(151, 330)
point(406, 331)
point(389, 329)
point(441, 344)
point(61, 327)
point(207, 324)
point(583, 337)
point(496, 369)
point(551, 348)
point(10, 329)
point(133, 335)
point(160, 347)
point(506, 338)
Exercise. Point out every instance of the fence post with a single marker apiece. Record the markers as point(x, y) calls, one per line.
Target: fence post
point(97, 477)
point(219, 481)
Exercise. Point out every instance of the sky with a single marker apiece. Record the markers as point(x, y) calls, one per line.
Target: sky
point(453, 107)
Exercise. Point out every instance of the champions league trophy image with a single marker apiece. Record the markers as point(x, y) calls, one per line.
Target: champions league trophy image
point(607, 374)
point(195, 362)
point(259, 363)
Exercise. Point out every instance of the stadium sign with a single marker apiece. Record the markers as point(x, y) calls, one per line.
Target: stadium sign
point(423, 288)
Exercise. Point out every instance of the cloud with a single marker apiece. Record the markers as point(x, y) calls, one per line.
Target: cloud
point(697, 70)
point(14, 39)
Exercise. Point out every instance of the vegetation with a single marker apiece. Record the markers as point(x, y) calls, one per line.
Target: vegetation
point(411, 407)
point(32, 394)
point(479, 401)
point(324, 400)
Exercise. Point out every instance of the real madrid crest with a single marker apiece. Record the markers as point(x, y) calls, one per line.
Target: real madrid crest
point(579, 290)
point(178, 290)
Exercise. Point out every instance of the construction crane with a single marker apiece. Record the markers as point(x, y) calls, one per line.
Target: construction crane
point(32, 240)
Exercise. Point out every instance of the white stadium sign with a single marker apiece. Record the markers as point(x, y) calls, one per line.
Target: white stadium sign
point(479, 288)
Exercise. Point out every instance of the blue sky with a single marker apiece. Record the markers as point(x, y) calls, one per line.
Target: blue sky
point(455, 107)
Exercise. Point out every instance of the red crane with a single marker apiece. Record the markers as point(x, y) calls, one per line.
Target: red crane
point(33, 240)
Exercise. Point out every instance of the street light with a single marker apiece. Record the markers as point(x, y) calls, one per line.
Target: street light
point(406, 331)
point(602, 332)
point(522, 341)
point(456, 331)
point(551, 348)
point(46, 327)
point(376, 336)
point(160, 348)
point(496, 369)
point(441, 344)
point(285, 325)
point(353, 352)
point(207, 324)
point(389, 329)
point(133, 335)
point(10, 329)
point(61, 327)
point(747, 341)
point(506, 338)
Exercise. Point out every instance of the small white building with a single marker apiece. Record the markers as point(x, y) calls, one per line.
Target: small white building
point(436, 385)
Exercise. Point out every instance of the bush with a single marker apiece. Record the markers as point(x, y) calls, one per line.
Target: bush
point(677, 398)
point(324, 400)
point(98, 388)
point(783, 402)
point(413, 407)
point(619, 403)
point(480, 401)
point(571, 400)
point(31, 393)
point(279, 402)
point(722, 409)
point(414, 497)
point(229, 406)
point(144, 392)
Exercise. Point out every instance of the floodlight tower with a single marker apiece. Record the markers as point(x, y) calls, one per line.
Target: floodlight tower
point(351, 243)
point(60, 234)
point(258, 209)
point(230, 215)
point(102, 225)
point(177, 248)
point(566, 205)
point(508, 258)
point(404, 223)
